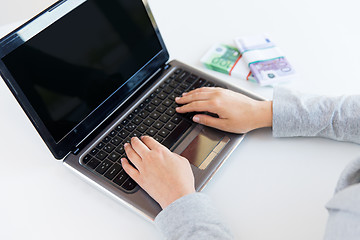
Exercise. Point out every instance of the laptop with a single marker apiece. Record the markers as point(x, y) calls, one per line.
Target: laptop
point(92, 74)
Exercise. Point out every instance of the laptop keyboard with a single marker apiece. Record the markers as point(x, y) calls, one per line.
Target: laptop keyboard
point(155, 117)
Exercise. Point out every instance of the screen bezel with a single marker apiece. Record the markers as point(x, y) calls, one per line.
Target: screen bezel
point(91, 122)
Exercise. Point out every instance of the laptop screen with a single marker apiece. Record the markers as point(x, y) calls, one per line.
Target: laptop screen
point(69, 69)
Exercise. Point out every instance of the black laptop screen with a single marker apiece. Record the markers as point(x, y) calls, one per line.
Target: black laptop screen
point(69, 69)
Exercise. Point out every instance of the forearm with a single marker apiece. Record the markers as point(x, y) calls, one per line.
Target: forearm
point(192, 217)
point(296, 114)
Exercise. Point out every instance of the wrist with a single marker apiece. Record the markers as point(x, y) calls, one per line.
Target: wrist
point(264, 114)
point(170, 199)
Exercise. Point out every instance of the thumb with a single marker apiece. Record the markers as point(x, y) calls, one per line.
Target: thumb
point(209, 121)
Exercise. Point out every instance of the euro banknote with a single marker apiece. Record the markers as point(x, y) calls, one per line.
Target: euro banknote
point(228, 60)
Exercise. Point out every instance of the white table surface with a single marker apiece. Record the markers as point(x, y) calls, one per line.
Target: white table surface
point(268, 189)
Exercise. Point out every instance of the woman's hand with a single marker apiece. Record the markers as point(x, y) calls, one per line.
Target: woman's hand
point(164, 175)
point(237, 113)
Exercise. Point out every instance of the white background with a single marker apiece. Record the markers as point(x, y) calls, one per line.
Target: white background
point(268, 189)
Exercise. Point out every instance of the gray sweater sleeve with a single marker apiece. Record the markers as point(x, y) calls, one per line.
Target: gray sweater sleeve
point(296, 114)
point(192, 217)
point(337, 118)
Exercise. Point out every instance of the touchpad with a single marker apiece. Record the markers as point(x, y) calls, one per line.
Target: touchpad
point(205, 147)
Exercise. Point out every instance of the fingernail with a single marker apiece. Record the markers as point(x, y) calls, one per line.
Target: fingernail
point(185, 93)
point(196, 119)
point(126, 144)
point(177, 98)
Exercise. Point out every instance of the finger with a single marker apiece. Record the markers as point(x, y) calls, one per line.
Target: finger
point(140, 148)
point(130, 170)
point(209, 121)
point(203, 89)
point(151, 143)
point(198, 106)
point(192, 97)
point(132, 155)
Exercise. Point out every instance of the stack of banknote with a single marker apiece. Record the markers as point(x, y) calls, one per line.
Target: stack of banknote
point(255, 58)
point(227, 59)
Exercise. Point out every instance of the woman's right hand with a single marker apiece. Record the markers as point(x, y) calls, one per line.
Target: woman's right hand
point(237, 113)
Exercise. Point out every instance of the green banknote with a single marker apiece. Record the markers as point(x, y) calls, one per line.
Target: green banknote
point(221, 58)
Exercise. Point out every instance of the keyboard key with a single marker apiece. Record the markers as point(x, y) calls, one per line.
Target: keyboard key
point(167, 102)
point(176, 119)
point(174, 84)
point(120, 149)
point(144, 114)
point(86, 159)
point(123, 134)
point(150, 107)
point(106, 139)
point(100, 145)
point(209, 84)
point(169, 126)
point(182, 76)
point(157, 91)
point(151, 132)
point(94, 151)
point(148, 122)
point(156, 101)
point(130, 127)
point(109, 148)
point(164, 118)
point(162, 95)
point(178, 92)
point(135, 134)
point(170, 112)
point(163, 133)
point(129, 184)
point(137, 120)
point(101, 155)
point(120, 178)
point(198, 83)
point(184, 86)
point(111, 173)
point(155, 115)
point(161, 109)
point(142, 128)
point(142, 105)
point(179, 70)
point(191, 79)
point(104, 166)
point(168, 89)
point(131, 116)
point(158, 138)
point(93, 163)
point(153, 95)
point(173, 95)
point(124, 122)
point(146, 101)
point(114, 156)
point(116, 141)
point(136, 111)
point(168, 80)
point(158, 125)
